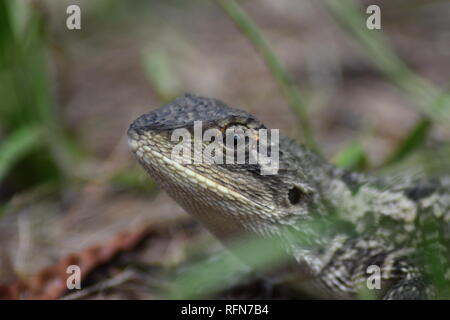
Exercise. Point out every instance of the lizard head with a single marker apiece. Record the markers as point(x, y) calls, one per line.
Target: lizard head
point(184, 146)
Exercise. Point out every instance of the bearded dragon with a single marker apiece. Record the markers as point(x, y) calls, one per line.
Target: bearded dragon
point(399, 225)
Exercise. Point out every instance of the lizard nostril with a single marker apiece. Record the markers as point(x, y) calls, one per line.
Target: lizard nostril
point(294, 195)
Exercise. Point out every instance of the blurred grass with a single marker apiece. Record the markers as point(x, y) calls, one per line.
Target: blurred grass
point(206, 277)
point(16, 145)
point(432, 103)
point(283, 79)
point(413, 141)
point(434, 257)
point(133, 180)
point(161, 76)
point(352, 157)
point(34, 148)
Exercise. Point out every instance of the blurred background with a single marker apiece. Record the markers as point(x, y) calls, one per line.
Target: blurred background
point(70, 190)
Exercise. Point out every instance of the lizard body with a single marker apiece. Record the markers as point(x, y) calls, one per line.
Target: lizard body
point(395, 224)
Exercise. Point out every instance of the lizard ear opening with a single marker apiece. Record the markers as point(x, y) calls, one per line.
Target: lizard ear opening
point(294, 195)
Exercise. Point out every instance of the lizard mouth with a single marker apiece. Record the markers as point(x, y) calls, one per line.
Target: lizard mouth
point(152, 158)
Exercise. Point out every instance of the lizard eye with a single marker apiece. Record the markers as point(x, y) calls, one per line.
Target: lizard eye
point(236, 140)
point(235, 136)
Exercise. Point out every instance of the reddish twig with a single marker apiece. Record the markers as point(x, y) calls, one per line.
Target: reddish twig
point(51, 282)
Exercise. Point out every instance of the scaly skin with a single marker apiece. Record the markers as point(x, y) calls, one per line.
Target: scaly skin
point(399, 225)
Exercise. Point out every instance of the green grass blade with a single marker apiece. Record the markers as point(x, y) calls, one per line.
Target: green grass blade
point(6, 31)
point(349, 15)
point(352, 157)
point(283, 79)
point(432, 104)
point(418, 135)
point(161, 76)
point(415, 138)
point(16, 146)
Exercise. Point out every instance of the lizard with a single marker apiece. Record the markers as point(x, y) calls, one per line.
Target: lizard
point(398, 224)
